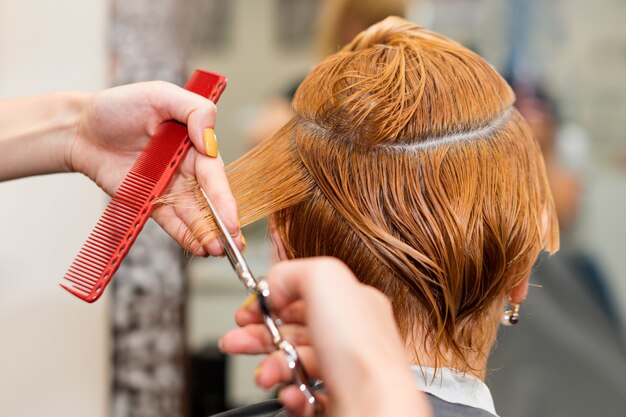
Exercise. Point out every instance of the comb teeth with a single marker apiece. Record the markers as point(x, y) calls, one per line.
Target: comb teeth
point(132, 204)
point(99, 257)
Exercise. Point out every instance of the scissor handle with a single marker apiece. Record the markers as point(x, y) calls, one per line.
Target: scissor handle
point(294, 363)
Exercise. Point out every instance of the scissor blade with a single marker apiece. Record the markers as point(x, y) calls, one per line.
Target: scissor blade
point(233, 253)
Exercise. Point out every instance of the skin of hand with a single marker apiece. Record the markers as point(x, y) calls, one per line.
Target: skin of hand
point(345, 334)
point(101, 134)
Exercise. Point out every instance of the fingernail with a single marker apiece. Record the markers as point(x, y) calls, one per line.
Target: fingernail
point(249, 301)
point(243, 240)
point(257, 372)
point(220, 345)
point(210, 142)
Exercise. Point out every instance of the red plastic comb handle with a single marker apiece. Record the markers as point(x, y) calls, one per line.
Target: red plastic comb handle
point(132, 204)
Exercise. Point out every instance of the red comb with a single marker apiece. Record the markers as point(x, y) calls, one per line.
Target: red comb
point(132, 204)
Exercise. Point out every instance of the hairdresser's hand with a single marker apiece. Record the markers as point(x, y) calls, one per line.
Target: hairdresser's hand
point(114, 127)
point(345, 334)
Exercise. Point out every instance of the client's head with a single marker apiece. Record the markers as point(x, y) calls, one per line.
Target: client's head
point(407, 161)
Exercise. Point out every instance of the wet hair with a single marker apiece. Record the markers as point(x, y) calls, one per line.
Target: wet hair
point(407, 160)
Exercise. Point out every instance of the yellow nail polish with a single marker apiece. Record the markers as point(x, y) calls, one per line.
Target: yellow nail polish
point(243, 240)
point(249, 301)
point(257, 372)
point(210, 142)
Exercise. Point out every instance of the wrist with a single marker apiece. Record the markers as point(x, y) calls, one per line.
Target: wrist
point(384, 388)
point(71, 117)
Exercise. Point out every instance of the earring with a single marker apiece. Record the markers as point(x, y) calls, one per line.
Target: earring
point(511, 315)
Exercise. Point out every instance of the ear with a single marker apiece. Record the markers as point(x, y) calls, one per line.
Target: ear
point(278, 253)
point(520, 291)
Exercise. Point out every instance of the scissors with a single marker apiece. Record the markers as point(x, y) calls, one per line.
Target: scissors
point(262, 291)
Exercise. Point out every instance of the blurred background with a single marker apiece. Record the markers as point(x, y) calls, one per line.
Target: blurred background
point(148, 348)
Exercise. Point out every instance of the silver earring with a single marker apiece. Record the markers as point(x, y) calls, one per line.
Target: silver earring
point(511, 315)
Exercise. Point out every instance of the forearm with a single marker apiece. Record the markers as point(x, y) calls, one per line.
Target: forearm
point(36, 133)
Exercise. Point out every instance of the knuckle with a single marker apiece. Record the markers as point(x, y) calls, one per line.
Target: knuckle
point(163, 84)
point(160, 87)
point(276, 268)
point(327, 264)
point(376, 297)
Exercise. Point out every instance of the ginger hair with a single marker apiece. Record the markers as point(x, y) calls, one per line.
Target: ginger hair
point(407, 161)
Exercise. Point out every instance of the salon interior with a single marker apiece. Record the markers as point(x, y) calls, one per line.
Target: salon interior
point(148, 347)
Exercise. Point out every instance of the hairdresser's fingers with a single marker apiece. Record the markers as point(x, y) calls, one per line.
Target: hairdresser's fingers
point(293, 313)
point(248, 315)
point(212, 178)
point(185, 207)
point(188, 212)
point(295, 402)
point(197, 112)
point(250, 312)
point(274, 370)
point(188, 208)
point(254, 339)
point(166, 217)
